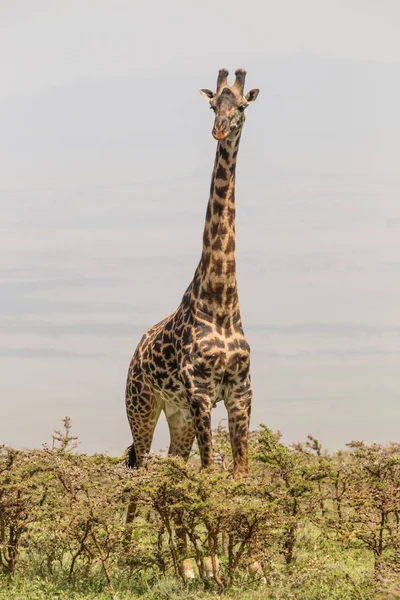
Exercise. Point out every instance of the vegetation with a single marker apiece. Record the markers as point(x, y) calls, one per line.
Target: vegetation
point(305, 525)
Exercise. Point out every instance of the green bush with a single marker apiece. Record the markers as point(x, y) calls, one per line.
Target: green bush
point(304, 524)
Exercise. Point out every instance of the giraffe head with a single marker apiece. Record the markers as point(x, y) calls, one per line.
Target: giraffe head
point(229, 103)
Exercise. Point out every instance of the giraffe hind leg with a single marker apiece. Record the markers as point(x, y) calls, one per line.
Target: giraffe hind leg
point(143, 412)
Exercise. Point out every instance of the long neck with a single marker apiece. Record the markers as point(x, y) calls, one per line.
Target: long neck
point(214, 287)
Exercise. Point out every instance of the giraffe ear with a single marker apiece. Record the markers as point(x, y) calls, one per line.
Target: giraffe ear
point(251, 96)
point(207, 94)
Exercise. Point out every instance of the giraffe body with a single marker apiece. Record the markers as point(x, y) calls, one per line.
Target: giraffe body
point(199, 356)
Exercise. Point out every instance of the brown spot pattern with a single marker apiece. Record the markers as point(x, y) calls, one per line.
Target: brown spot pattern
point(198, 355)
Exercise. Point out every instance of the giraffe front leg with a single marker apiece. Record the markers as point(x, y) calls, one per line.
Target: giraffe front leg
point(200, 411)
point(182, 433)
point(238, 405)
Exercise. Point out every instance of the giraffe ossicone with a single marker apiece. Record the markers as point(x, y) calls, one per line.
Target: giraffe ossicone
point(199, 355)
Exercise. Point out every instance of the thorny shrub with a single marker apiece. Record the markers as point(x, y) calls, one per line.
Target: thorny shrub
point(63, 515)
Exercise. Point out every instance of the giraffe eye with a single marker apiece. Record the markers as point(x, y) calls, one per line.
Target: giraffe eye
point(213, 108)
point(242, 107)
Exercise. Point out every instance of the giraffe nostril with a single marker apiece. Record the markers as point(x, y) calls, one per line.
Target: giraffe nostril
point(220, 129)
point(220, 134)
point(221, 124)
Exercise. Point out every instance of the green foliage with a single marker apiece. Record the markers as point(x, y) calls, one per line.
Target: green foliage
point(304, 525)
point(370, 502)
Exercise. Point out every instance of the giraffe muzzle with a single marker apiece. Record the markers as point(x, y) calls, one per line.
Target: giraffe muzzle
point(221, 130)
point(220, 134)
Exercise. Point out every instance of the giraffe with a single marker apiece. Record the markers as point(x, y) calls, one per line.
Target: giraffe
point(199, 355)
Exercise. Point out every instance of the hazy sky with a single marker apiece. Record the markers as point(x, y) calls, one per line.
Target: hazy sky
point(105, 160)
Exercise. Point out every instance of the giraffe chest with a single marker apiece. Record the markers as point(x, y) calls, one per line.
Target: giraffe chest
point(199, 358)
point(221, 358)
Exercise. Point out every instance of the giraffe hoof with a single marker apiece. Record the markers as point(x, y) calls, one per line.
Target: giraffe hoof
point(187, 569)
point(208, 568)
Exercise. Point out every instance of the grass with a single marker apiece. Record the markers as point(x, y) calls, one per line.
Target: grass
point(323, 570)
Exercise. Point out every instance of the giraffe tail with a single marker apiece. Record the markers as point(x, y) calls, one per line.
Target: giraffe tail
point(131, 461)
